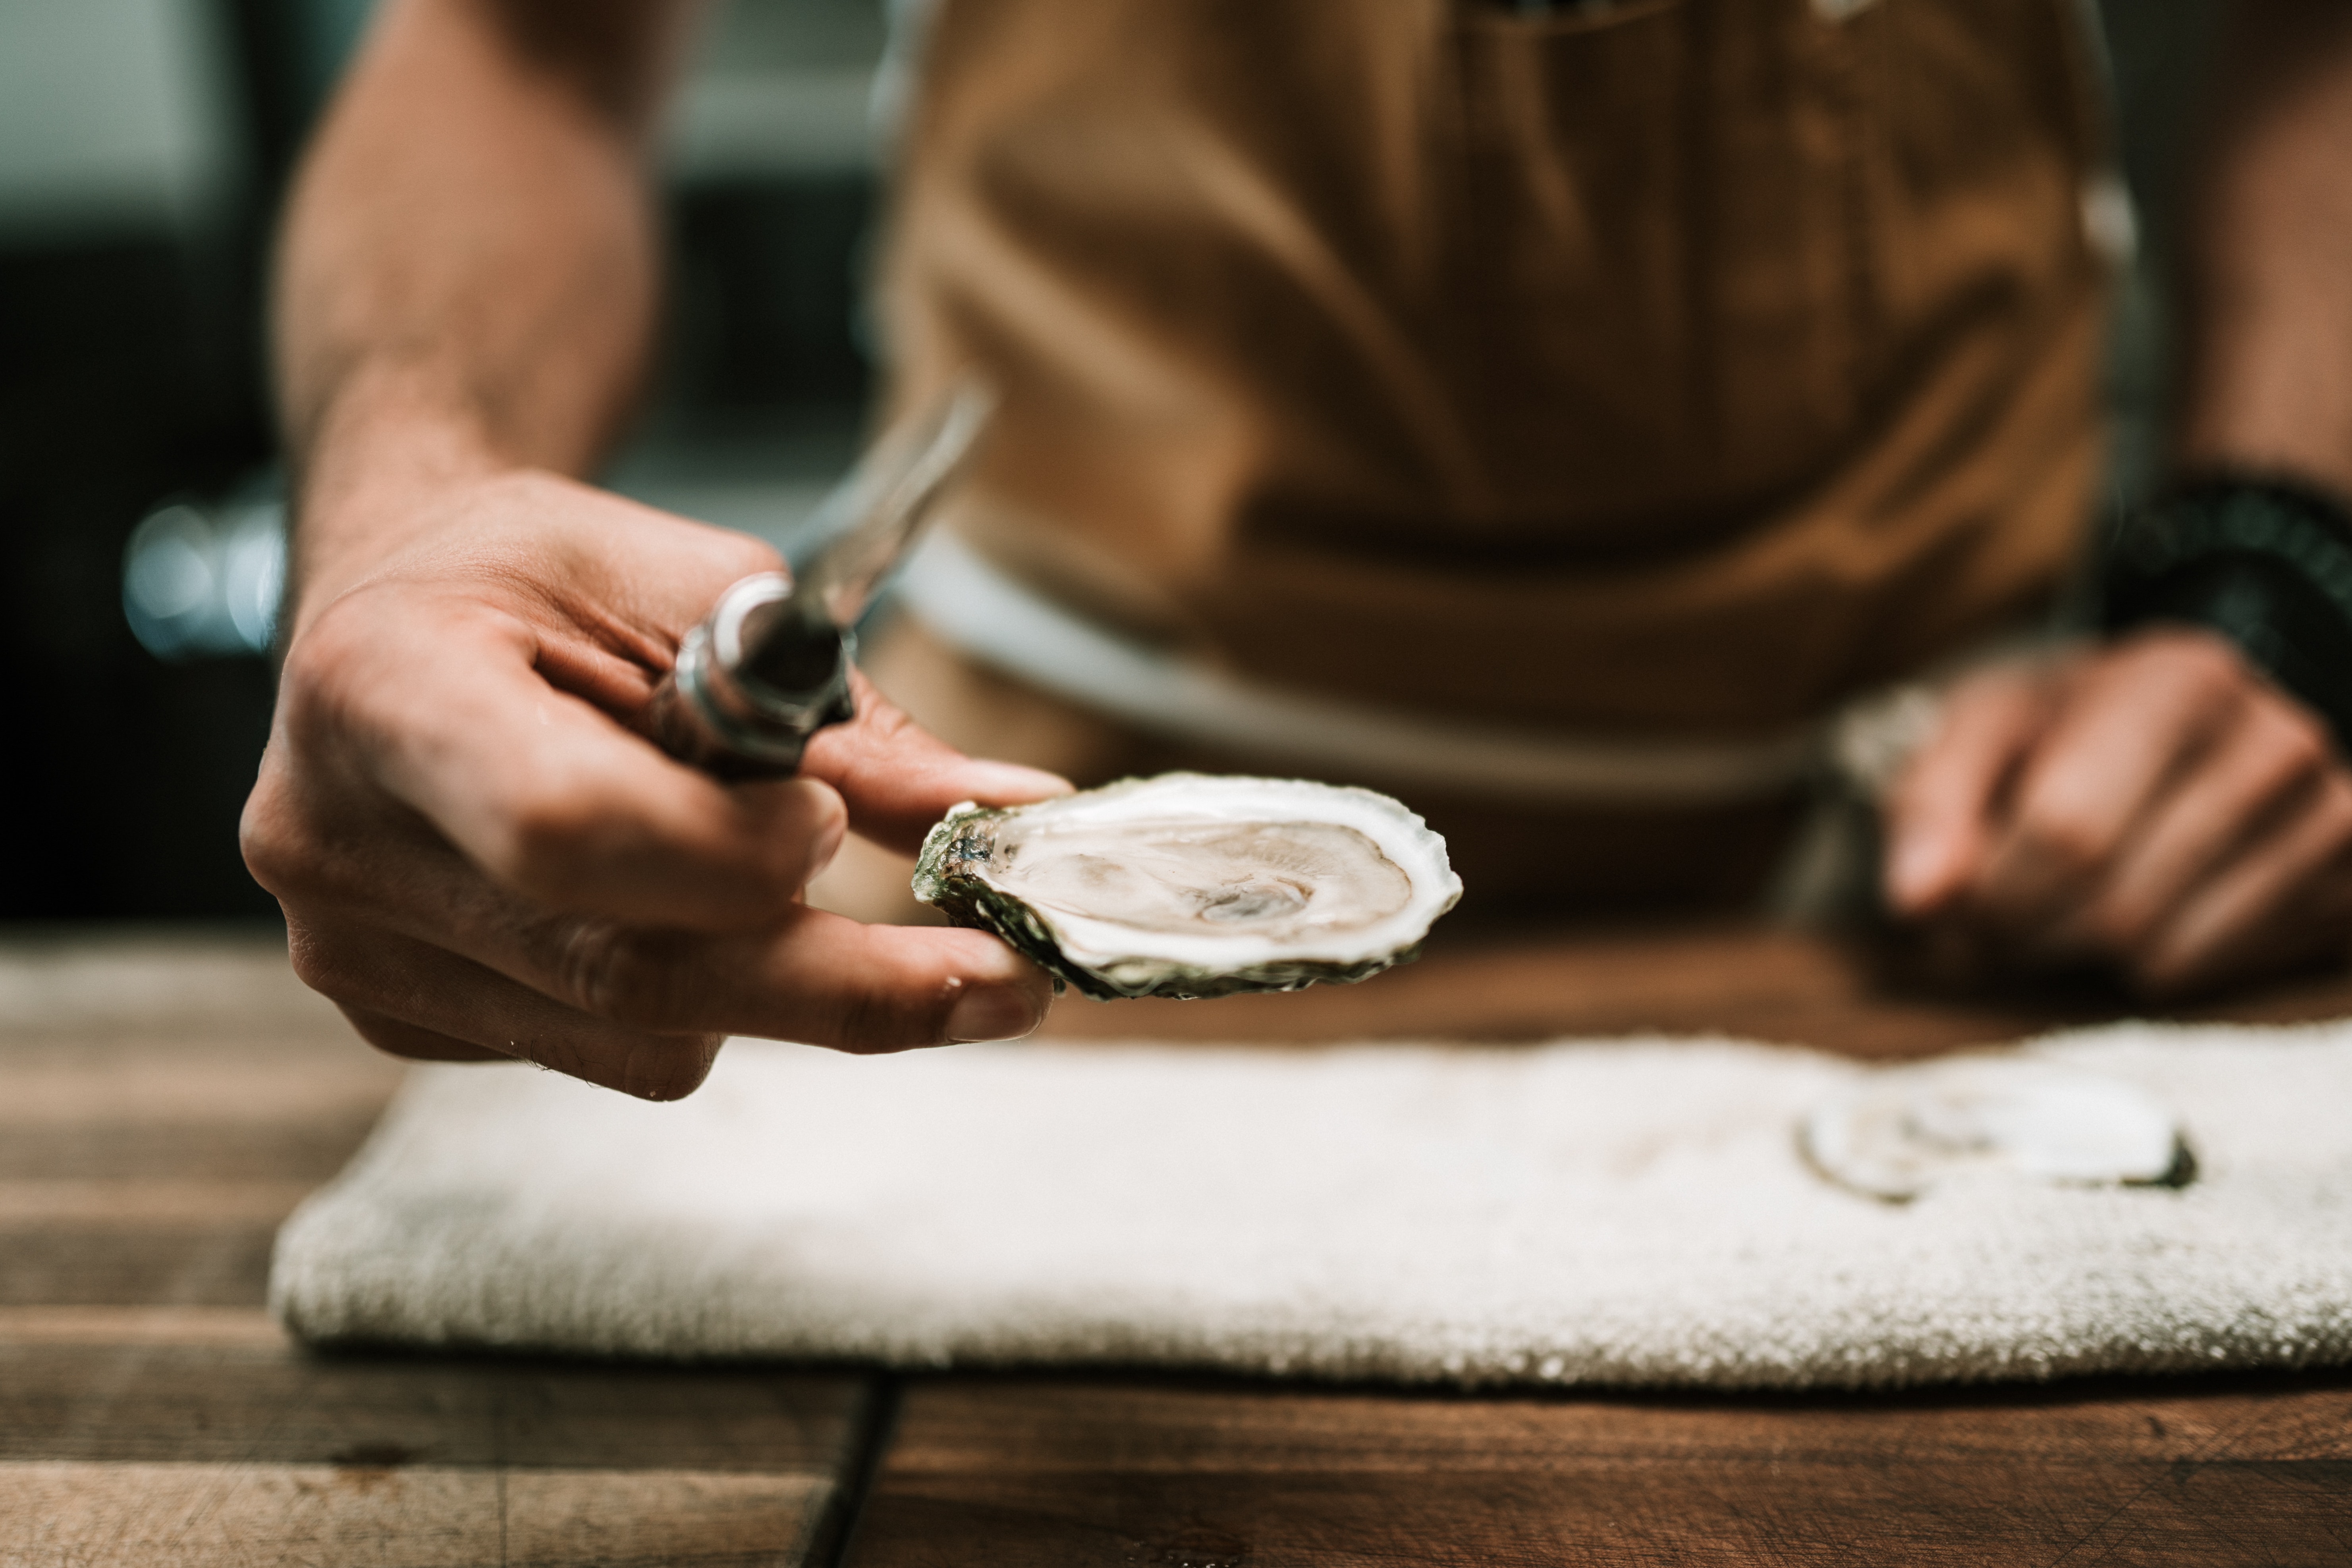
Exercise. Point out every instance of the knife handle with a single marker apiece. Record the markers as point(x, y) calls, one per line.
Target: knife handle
point(712, 712)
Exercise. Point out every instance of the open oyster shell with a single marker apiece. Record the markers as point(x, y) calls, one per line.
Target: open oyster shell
point(1898, 1132)
point(1194, 884)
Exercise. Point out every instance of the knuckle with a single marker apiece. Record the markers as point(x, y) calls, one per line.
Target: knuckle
point(640, 979)
point(548, 834)
point(285, 846)
point(307, 823)
point(873, 746)
point(2199, 666)
point(886, 719)
point(2335, 810)
point(2065, 839)
point(2299, 756)
point(872, 1022)
point(2294, 741)
point(269, 839)
point(322, 965)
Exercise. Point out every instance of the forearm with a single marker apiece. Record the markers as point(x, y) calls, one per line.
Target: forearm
point(468, 273)
point(2267, 320)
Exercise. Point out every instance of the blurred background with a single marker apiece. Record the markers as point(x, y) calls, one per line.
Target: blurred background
point(143, 148)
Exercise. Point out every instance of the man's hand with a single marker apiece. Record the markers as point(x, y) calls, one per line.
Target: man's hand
point(478, 857)
point(2155, 806)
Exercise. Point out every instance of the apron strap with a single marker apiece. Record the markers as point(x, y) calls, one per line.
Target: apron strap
point(997, 620)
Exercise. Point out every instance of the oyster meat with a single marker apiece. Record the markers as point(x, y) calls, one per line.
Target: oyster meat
point(1195, 884)
point(1901, 1130)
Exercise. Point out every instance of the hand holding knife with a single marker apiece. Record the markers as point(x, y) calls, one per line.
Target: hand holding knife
point(769, 665)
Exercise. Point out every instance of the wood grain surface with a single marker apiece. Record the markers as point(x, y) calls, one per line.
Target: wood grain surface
point(163, 1106)
point(1015, 1472)
point(228, 1445)
point(165, 1099)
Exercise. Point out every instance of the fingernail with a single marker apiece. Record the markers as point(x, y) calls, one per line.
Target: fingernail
point(992, 1013)
point(1008, 784)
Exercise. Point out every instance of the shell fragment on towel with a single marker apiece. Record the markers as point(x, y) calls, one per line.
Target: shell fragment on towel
point(1901, 1130)
point(1193, 884)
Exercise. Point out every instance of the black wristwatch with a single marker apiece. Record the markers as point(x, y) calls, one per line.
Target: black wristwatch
point(2263, 561)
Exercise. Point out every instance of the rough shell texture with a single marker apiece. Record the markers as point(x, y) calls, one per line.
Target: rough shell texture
point(1195, 885)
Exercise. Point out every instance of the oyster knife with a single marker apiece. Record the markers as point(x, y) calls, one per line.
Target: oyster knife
point(769, 665)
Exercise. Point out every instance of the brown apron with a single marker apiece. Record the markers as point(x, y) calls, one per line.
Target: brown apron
point(1669, 367)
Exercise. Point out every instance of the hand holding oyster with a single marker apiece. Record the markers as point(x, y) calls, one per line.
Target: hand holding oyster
point(1194, 885)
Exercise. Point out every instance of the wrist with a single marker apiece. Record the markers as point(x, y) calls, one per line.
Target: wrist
point(2263, 561)
point(384, 456)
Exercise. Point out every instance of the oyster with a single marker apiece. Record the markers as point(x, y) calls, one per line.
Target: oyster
point(1193, 884)
point(1898, 1132)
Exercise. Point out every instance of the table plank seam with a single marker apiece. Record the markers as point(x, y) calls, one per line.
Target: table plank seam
point(869, 1447)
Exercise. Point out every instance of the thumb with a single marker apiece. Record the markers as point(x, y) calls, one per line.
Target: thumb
point(897, 779)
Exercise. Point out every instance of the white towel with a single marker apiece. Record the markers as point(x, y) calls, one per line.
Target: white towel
point(1627, 1213)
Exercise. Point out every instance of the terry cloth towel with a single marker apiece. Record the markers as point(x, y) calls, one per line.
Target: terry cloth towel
point(1627, 1213)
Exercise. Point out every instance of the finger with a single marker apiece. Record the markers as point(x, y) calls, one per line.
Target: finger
point(814, 977)
point(2126, 728)
point(899, 779)
point(807, 977)
point(2281, 900)
point(414, 999)
point(2275, 754)
point(434, 700)
point(1940, 816)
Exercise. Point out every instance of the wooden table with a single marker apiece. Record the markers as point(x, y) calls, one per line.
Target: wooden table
point(165, 1100)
